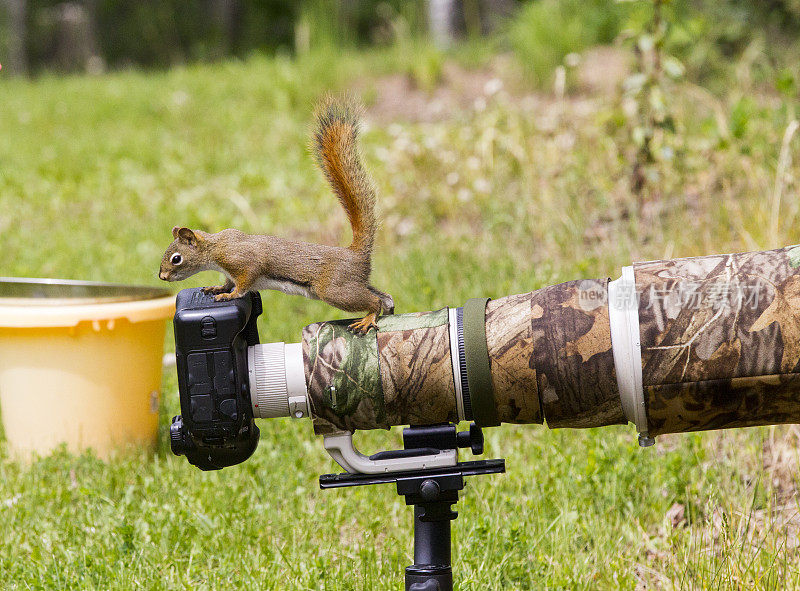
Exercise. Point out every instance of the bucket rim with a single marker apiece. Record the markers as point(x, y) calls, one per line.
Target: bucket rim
point(132, 302)
point(35, 291)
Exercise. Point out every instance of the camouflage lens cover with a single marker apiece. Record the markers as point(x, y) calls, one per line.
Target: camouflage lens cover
point(399, 375)
point(720, 340)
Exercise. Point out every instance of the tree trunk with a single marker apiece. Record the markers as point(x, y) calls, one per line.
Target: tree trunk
point(442, 15)
point(17, 59)
point(76, 43)
point(225, 14)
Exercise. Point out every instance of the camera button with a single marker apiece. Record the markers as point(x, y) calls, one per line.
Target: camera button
point(228, 408)
point(208, 328)
point(202, 407)
point(197, 369)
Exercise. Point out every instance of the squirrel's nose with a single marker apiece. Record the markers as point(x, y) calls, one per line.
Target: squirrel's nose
point(162, 275)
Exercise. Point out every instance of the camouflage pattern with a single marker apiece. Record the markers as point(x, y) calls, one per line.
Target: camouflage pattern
point(572, 355)
point(343, 379)
point(416, 369)
point(550, 356)
point(409, 381)
point(721, 404)
point(509, 338)
point(720, 340)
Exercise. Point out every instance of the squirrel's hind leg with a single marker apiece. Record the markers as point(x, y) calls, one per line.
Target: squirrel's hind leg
point(361, 327)
point(385, 306)
point(384, 300)
point(354, 296)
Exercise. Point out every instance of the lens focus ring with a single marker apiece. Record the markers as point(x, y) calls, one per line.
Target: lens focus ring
point(268, 390)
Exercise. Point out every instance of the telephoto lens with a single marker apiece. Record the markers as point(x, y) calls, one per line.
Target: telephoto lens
point(672, 346)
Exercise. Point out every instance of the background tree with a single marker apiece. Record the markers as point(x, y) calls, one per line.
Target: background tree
point(16, 11)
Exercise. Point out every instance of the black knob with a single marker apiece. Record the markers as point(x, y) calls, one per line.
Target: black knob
point(476, 439)
point(472, 439)
point(176, 440)
point(429, 490)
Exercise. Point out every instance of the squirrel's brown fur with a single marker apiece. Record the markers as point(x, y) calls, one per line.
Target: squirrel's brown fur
point(335, 147)
point(336, 275)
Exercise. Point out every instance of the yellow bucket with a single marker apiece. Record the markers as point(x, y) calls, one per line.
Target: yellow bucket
point(80, 363)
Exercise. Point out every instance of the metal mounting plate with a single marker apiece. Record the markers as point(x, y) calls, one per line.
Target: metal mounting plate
point(473, 468)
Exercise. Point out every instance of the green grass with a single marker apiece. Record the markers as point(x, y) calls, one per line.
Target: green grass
point(94, 172)
point(548, 30)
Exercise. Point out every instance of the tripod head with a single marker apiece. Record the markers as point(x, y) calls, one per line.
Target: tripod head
point(432, 492)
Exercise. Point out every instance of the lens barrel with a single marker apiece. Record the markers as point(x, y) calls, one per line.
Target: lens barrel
point(676, 345)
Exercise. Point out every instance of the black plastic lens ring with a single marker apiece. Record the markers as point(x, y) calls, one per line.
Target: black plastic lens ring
point(462, 365)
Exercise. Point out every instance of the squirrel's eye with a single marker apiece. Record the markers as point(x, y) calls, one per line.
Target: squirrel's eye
point(176, 259)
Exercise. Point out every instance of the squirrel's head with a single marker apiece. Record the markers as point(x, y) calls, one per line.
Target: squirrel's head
point(184, 257)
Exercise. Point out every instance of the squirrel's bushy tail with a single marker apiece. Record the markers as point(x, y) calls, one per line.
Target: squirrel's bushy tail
point(335, 147)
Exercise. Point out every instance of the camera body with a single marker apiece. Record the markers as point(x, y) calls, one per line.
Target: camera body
point(216, 427)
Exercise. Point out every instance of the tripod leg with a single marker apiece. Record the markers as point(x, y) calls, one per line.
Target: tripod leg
point(431, 539)
point(431, 570)
point(430, 584)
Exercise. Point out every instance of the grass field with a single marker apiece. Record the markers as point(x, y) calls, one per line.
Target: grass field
point(504, 192)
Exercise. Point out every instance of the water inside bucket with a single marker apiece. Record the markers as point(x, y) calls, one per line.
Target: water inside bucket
point(22, 291)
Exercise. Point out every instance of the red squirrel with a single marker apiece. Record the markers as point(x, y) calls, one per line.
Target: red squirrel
point(333, 274)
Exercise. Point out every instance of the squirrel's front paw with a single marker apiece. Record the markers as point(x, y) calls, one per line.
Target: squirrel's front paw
point(216, 289)
point(224, 297)
point(361, 327)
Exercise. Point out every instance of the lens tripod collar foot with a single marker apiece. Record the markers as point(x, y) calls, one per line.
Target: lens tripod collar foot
point(339, 446)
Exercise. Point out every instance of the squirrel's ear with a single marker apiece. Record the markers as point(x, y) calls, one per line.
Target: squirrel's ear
point(175, 231)
point(186, 236)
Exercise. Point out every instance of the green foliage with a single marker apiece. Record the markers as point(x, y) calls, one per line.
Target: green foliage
point(786, 83)
point(675, 40)
point(710, 37)
point(647, 90)
point(741, 113)
point(426, 70)
point(547, 30)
